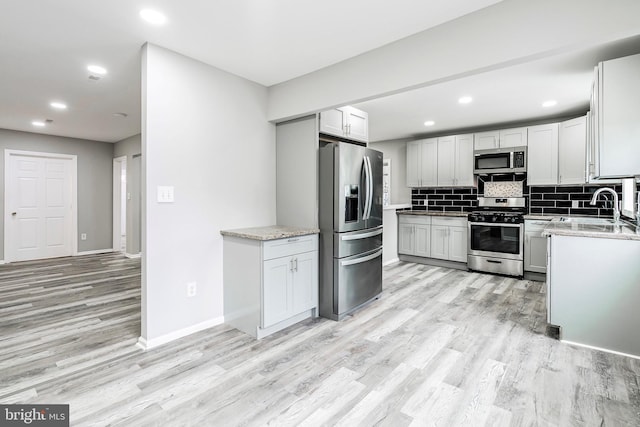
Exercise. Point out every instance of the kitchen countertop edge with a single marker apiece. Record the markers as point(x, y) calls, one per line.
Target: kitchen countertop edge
point(562, 229)
point(431, 213)
point(270, 232)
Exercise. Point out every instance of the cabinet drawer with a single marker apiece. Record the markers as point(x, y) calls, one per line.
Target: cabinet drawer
point(286, 247)
point(414, 219)
point(449, 221)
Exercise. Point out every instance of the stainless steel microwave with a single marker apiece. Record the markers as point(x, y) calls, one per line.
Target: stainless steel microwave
point(500, 160)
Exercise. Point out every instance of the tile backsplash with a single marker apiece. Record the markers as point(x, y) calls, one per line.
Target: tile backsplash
point(561, 200)
point(555, 200)
point(444, 199)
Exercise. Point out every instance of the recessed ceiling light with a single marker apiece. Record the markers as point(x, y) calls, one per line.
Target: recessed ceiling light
point(549, 103)
point(96, 69)
point(37, 123)
point(429, 123)
point(153, 16)
point(465, 100)
point(58, 105)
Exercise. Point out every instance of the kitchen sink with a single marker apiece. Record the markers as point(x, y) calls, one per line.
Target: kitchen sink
point(588, 221)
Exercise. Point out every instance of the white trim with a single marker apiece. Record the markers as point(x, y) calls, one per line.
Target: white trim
point(601, 349)
point(133, 256)
point(391, 261)
point(74, 194)
point(117, 201)
point(147, 344)
point(2, 262)
point(95, 252)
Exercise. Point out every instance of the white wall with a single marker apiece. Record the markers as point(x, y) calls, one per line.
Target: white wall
point(205, 132)
point(504, 34)
point(396, 151)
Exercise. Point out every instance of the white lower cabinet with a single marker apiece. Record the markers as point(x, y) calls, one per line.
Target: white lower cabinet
point(449, 238)
point(269, 285)
point(414, 235)
point(288, 287)
point(439, 242)
point(535, 246)
point(433, 237)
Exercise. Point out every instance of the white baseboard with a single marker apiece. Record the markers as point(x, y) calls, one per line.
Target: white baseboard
point(132, 256)
point(633, 356)
point(391, 261)
point(1, 261)
point(95, 252)
point(146, 344)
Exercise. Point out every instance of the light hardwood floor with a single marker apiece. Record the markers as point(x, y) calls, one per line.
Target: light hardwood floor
point(441, 347)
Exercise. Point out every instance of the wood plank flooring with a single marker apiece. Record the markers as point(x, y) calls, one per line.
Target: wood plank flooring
point(441, 347)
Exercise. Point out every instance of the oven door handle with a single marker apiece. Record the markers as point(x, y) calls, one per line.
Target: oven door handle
point(496, 224)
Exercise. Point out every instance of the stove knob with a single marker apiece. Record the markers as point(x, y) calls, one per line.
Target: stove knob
point(493, 219)
point(514, 219)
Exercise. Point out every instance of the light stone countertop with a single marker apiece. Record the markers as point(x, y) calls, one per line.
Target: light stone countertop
point(271, 232)
point(577, 229)
point(397, 206)
point(540, 217)
point(434, 213)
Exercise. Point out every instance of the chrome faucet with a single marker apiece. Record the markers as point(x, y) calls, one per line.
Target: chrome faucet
point(616, 206)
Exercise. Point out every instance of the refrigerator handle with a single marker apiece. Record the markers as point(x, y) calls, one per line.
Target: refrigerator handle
point(370, 188)
point(361, 235)
point(361, 260)
point(367, 205)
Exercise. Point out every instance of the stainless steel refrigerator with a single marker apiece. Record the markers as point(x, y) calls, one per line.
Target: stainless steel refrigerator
point(350, 217)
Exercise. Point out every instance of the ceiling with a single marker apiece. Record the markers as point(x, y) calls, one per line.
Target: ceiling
point(501, 97)
point(45, 47)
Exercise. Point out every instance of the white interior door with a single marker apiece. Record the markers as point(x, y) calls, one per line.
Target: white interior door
point(120, 200)
point(39, 207)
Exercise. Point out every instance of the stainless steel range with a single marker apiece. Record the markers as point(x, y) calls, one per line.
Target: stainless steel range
point(496, 236)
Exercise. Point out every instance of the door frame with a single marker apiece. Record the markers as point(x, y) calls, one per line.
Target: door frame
point(8, 255)
point(117, 201)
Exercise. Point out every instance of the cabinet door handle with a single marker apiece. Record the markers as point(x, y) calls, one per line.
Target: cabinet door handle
point(291, 265)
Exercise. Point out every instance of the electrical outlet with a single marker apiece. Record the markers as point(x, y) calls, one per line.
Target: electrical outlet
point(83, 236)
point(192, 288)
point(575, 204)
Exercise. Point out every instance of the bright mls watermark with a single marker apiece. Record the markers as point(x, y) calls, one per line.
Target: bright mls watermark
point(34, 415)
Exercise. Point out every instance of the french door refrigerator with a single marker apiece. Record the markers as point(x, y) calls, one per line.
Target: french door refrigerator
point(350, 218)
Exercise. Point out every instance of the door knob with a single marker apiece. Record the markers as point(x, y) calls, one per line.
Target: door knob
point(14, 213)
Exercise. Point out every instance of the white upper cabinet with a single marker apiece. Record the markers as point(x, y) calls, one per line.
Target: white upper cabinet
point(441, 162)
point(487, 140)
point(345, 122)
point(422, 163)
point(556, 154)
point(542, 155)
point(615, 107)
point(572, 151)
point(515, 137)
point(357, 122)
point(414, 176)
point(464, 160)
point(332, 121)
point(446, 161)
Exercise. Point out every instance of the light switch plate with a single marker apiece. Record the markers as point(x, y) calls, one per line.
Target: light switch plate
point(165, 194)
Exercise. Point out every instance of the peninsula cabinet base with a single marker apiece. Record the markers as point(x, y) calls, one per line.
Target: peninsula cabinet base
point(593, 292)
